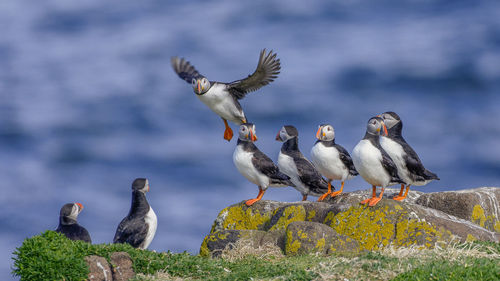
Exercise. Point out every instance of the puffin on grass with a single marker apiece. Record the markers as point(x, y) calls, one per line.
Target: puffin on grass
point(68, 224)
point(255, 165)
point(222, 98)
point(138, 228)
point(373, 163)
point(331, 159)
point(305, 178)
point(410, 168)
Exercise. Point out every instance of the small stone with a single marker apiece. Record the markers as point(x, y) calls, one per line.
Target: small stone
point(122, 266)
point(99, 269)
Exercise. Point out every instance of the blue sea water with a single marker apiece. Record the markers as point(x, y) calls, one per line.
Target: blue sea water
point(89, 101)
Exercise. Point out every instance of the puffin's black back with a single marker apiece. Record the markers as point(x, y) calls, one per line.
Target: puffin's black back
point(133, 228)
point(70, 227)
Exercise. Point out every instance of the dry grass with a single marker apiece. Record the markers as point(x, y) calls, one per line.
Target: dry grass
point(244, 248)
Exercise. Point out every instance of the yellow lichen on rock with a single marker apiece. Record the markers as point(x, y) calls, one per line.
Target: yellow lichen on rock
point(292, 245)
point(289, 214)
point(320, 245)
point(478, 216)
point(242, 217)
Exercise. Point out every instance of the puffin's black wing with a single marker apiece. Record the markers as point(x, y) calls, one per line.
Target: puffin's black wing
point(184, 69)
point(390, 167)
point(310, 177)
point(267, 70)
point(345, 157)
point(266, 166)
point(131, 232)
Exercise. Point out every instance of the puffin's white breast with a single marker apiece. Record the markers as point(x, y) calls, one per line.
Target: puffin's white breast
point(220, 101)
point(243, 161)
point(327, 161)
point(152, 222)
point(368, 162)
point(286, 164)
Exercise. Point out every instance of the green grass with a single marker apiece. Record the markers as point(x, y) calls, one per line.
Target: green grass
point(51, 256)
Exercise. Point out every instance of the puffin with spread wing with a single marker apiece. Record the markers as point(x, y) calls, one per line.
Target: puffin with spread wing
point(222, 98)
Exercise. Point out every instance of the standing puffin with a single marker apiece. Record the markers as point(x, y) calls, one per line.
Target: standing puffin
point(138, 228)
point(331, 159)
point(373, 163)
point(222, 98)
point(255, 165)
point(305, 178)
point(68, 224)
point(410, 168)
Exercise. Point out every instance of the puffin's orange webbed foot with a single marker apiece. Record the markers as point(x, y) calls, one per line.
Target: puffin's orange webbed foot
point(399, 197)
point(250, 202)
point(333, 194)
point(374, 201)
point(322, 197)
point(366, 201)
point(228, 134)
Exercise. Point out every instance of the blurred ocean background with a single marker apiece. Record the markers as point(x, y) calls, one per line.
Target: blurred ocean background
point(89, 101)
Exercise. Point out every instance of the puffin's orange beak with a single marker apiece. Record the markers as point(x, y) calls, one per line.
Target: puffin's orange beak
point(252, 136)
point(318, 133)
point(199, 87)
point(278, 137)
point(80, 206)
point(385, 130)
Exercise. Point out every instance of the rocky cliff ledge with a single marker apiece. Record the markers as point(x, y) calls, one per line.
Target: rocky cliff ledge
point(424, 220)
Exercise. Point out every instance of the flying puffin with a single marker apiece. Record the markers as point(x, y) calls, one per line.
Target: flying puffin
point(331, 159)
point(222, 98)
point(305, 178)
point(410, 168)
point(68, 224)
point(138, 228)
point(373, 163)
point(255, 165)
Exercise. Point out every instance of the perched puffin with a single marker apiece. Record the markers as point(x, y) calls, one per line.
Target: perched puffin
point(222, 98)
point(255, 165)
point(331, 159)
point(373, 163)
point(68, 224)
point(305, 178)
point(138, 228)
point(410, 168)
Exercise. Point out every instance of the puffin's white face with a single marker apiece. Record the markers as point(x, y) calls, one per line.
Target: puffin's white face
point(283, 135)
point(146, 186)
point(376, 126)
point(325, 133)
point(389, 120)
point(247, 132)
point(75, 210)
point(200, 85)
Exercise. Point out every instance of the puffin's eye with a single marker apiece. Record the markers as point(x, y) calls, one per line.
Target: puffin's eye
point(329, 129)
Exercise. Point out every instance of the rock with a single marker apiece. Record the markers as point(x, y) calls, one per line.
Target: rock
point(99, 269)
point(122, 266)
point(304, 237)
point(368, 228)
point(353, 198)
point(216, 242)
point(479, 205)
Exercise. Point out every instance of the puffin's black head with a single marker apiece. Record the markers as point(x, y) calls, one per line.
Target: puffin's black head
point(69, 212)
point(375, 126)
point(390, 119)
point(200, 85)
point(140, 184)
point(287, 132)
point(247, 132)
point(325, 132)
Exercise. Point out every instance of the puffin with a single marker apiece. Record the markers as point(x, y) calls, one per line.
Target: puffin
point(254, 165)
point(304, 177)
point(68, 224)
point(138, 228)
point(222, 98)
point(410, 168)
point(331, 159)
point(373, 163)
